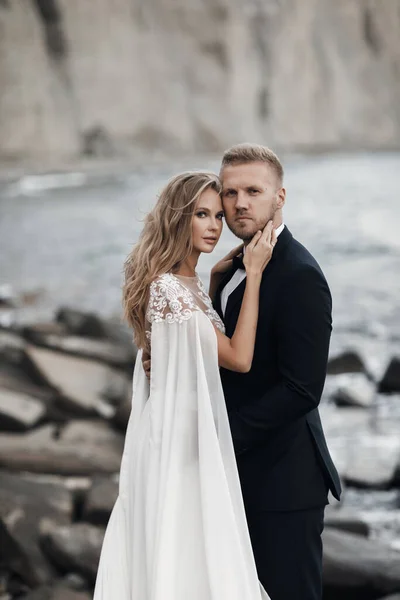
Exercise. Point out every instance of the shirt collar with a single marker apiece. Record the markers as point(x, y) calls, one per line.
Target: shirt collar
point(278, 233)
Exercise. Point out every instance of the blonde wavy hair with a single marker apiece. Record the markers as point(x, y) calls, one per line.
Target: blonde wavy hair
point(165, 242)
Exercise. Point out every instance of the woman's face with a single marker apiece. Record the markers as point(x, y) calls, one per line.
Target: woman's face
point(207, 221)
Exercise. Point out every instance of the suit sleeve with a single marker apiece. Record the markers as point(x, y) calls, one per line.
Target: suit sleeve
point(304, 326)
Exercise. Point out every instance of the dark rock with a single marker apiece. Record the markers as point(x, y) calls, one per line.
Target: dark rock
point(354, 565)
point(15, 560)
point(18, 411)
point(59, 591)
point(82, 323)
point(91, 325)
point(118, 391)
point(346, 362)
point(354, 389)
point(74, 582)
point(37, 331)
point(391, 379)
point(81, 448)
point(97, 142)
point(18, 373)
point(24, 506)
point(346, 520)
point(17, 366)
point(100, 500)
point(74, 548)
point(121, 416)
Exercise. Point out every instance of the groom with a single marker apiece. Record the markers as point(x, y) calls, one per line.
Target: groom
point(284, 464)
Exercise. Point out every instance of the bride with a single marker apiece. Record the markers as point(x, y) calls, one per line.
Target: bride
point(178, 529)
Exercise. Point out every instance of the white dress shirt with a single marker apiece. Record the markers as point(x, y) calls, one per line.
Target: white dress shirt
point(238, 277)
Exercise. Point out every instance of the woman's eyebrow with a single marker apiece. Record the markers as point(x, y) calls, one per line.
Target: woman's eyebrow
point(203, 208)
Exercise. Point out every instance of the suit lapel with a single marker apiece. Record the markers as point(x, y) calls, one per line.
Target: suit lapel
point(217, 301)
point(234, 299)
point(236, 296)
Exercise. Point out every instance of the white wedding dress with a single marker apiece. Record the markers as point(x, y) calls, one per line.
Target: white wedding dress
point(178, 529)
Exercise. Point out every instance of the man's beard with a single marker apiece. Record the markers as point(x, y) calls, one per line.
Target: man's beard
point(248, 235)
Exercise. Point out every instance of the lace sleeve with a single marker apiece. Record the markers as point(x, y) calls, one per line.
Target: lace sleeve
point(169, 301)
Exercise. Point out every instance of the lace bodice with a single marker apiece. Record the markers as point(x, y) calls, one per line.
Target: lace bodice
point(174, 298)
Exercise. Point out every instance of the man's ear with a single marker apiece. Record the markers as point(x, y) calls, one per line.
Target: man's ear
point(281, 198)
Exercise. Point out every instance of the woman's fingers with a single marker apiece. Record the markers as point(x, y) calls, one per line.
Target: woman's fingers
point(267, 232)
point(254, 239)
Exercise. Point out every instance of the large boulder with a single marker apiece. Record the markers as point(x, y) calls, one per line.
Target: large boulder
point(346, 520)
point(373, 460)
point(354, 389)
point(80, 382)
point(53, 335)
point(74, 548)
point(16, 565)
point(354, 566)
point(19, 411)
point(17, 367)
point(80, 448)
point(81, 323)
point(24, 506)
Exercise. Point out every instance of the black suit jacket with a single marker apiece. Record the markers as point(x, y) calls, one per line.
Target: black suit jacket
point(282, 456)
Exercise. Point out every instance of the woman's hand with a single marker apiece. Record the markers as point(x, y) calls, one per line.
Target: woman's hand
point(225, 263)
point(259, 251)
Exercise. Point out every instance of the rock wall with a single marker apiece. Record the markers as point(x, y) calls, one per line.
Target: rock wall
point(104, 76)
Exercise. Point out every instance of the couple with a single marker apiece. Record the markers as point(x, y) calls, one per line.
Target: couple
point(225, 473)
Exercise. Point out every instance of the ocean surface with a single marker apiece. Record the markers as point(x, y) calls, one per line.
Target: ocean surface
point(64, 237)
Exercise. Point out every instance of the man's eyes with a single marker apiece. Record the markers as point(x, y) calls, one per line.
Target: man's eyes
point(251, 191)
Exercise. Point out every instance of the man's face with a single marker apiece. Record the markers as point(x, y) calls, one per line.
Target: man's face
point(252, 196)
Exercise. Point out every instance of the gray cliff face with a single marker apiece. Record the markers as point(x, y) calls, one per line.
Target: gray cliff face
point(100, 76)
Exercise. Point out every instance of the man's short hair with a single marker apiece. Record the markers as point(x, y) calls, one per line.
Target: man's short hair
point(248, 153)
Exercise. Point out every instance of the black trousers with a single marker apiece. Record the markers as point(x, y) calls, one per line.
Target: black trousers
point(287, 548)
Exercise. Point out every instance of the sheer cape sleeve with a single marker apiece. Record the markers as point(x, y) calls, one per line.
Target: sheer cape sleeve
point(186, 531)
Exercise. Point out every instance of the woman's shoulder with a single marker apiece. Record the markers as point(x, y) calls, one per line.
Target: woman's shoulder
point(169, 299)
point(165, 283)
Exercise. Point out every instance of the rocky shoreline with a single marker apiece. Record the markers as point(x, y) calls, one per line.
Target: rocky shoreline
point(65, 394)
